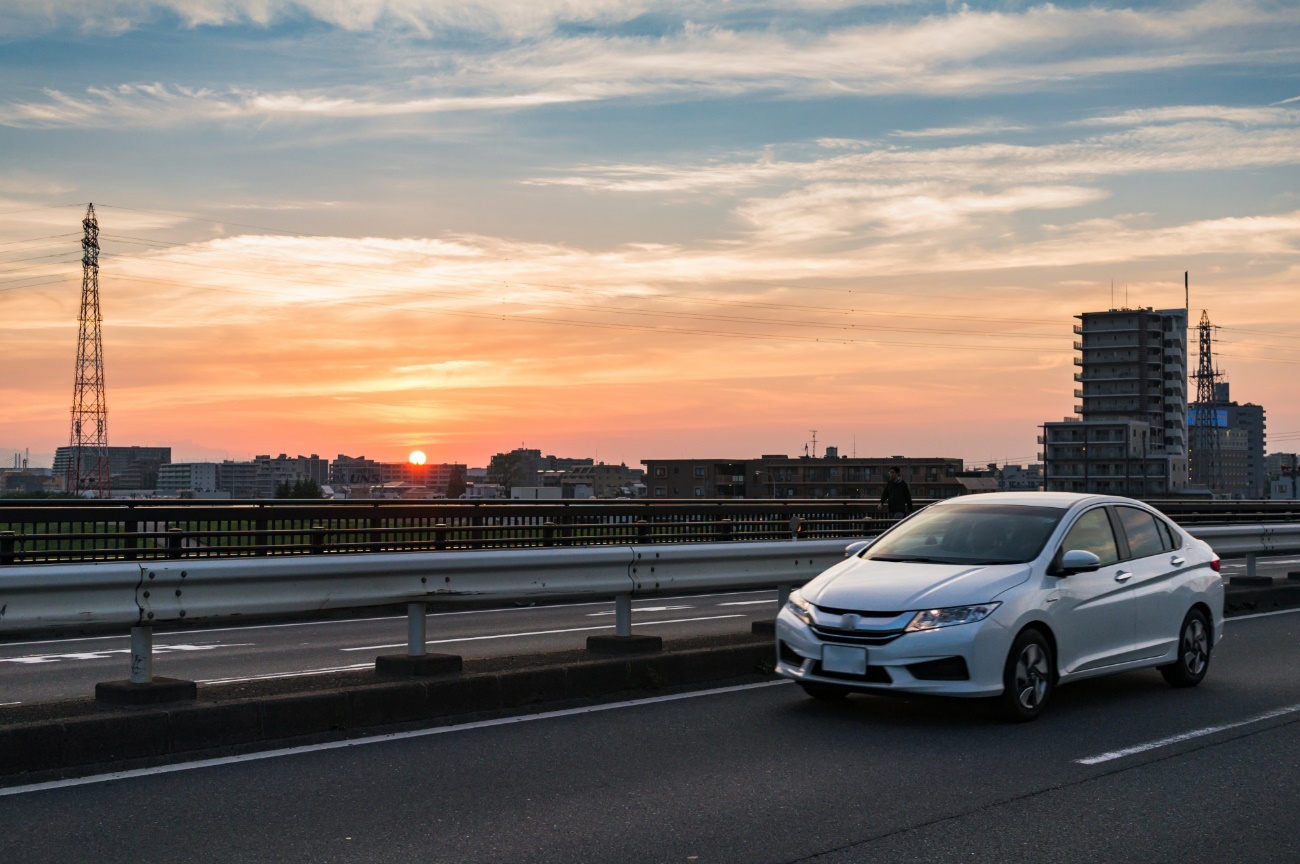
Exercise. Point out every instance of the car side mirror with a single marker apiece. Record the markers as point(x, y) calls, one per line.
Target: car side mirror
point(856, 547)
point(1079, 561)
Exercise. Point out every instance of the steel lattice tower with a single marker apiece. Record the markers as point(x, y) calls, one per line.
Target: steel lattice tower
point(88, 468)
point(1205, 434)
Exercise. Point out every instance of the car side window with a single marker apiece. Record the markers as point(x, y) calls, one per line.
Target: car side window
point(1142, 530)
point(1091, 532)
point(1173, 540)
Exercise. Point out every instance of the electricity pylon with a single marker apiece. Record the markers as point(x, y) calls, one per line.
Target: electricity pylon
point(88, 469)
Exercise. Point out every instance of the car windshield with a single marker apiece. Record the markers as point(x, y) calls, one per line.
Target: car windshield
point(971, 533)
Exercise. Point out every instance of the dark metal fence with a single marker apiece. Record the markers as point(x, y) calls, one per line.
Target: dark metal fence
point(40, 532)
point(52, 531)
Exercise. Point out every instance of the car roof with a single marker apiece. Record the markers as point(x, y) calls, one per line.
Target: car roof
point(1064, 500)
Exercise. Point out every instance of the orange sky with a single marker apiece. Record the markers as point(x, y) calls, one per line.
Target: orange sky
point(706, 232)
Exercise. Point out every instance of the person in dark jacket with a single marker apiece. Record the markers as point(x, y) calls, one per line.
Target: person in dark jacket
point(896, 500)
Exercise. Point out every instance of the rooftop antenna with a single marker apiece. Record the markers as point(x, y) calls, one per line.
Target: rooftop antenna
point(1112, 293)
point(814, 443)
point(1187, 294)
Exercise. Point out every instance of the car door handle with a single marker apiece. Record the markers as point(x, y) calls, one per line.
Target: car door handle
point(1176, 561)
point(1123, 576)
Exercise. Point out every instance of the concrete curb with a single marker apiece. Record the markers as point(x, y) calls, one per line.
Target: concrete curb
point(117, 734)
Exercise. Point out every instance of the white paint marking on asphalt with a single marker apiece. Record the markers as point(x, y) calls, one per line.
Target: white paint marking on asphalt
point(378, 739)
point(539, 633)
point(748, 602)
point(642, 609)
point(276, 675)
point(32, 659)
point(1260, 615)
point(1186, 736)
point(7, 704)
point(383, 618)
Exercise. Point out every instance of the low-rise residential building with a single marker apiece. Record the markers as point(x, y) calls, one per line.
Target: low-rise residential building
point(781, 476)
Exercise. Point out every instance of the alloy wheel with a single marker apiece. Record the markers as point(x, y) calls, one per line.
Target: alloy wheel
point(1195, 646)
point(1032, 676)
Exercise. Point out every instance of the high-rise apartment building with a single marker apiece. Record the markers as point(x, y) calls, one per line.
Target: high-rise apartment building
point(1130, 433)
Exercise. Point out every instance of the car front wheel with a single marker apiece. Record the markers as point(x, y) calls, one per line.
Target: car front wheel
point(1027, 679)
point(1193, 652)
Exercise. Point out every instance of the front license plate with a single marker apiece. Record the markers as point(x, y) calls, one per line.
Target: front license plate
point(844, 659)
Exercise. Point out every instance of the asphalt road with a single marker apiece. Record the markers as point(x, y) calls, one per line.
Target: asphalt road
point(1119, 769)
point(36, 671)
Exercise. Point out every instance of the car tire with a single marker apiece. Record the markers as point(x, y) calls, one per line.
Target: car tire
point(1193, 652)
point(1028, 677)
point(827, 692)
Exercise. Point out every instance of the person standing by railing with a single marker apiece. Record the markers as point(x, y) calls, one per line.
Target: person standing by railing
point(896, 500)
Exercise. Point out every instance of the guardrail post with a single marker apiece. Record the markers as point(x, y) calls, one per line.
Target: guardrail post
point(416, 662)
point(623, 642)
point(141, 655)
point(548, 533)
point(142, 688)
point(7, 541)
point(1250, 565)
point(768, 627)
point(175, 540)
point(416, 629)
point(724, 529)
point(131, 542)
point(440, 537)
point(623, 615)
point(317, 539)
point(642, 531)
point(798, 528)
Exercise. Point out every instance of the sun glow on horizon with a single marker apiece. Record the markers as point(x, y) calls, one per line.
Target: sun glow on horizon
point(417, 457)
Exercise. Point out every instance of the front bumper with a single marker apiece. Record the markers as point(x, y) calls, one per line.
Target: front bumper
point(895, 665)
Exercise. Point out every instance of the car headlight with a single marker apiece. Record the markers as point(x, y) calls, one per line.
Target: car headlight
point(931, 619)
point(801, 608)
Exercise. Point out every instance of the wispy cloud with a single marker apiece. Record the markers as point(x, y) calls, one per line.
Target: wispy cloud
point(962, 52)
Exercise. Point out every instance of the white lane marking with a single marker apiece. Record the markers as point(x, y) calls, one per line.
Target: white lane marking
point(748, 602)
point(32, 659)
point(1186, 736)
point(383, 618)
point(378, 739)
point(642, 609)
point(539, 633)
point(275, 675)
point(1260, 615)
point(7, 704)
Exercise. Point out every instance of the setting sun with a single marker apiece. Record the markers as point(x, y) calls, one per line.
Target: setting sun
point(417, 458)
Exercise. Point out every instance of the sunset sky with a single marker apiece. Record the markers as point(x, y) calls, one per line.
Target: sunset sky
point(633, 230)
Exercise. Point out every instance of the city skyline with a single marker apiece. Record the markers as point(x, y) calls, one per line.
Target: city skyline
point(633, 230)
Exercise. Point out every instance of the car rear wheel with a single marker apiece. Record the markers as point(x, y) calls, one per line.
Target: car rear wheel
point(1193, 652)
point(829, 692)
point(1027, 679)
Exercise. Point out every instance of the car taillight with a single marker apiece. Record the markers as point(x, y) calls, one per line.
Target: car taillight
point(1214, 565)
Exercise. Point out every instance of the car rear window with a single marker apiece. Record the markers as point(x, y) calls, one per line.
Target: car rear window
point(1143, 532)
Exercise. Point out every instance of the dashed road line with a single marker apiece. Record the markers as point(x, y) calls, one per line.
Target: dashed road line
point(1185, 736)
point(540, 633)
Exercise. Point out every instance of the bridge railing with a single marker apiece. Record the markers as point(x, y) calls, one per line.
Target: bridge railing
point(159, 531)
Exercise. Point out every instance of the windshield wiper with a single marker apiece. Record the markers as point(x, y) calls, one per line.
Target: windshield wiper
point(912, 559)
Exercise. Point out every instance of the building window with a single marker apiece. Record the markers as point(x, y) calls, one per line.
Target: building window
point(699, 491)
point(661, 492)
point(661, 471)
point(699, 471)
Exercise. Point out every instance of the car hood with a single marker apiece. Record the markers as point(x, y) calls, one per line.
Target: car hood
point(900, 586)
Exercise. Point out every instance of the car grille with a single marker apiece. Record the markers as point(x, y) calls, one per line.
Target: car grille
point(855, 637)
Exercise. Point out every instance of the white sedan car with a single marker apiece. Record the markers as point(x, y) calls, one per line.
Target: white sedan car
point(1007, 595)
